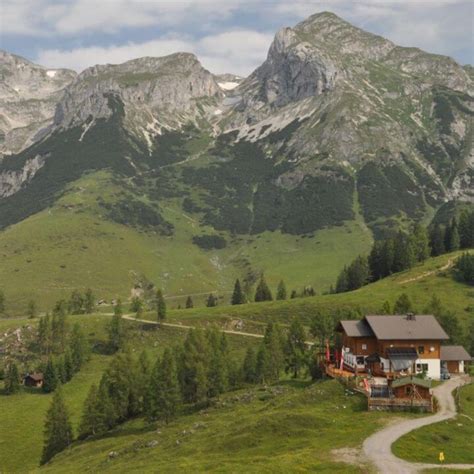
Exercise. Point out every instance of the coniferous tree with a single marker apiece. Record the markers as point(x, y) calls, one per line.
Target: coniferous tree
point(403, 305)
point(404, 253)
point(322, 327)
point(58, 429)
point(437, 241)
point(274, 343)
point(342, 283)
point(45, 335)
point(31, 310)
point(160, 306)
point(50, 378)
point(470, 338)
point(68, 365)
point(76, 303)
point(238, 296)
point(465, 267)
point(90, 420)
point(450, 324)
point(293, 294)
point(211, 301)
point(89, 301)
point(262, 368)
point(357, 273)
point(249, 368)
point(164, 394)
point(12, 379)
point(281, 291)
point(59, 331)
point(295, 349)
point(189, 302)
point(386, 308)
point(466, 230)
point(451, 237)
point(80, 351)
point(376, 261)
point(263, 292)
point(388, 257)
point(421, 243)
point(136, 305)
point(116, 332)
point(218, 367)
point(60, 369)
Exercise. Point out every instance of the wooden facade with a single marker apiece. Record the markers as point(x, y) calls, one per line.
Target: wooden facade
point(422, 346)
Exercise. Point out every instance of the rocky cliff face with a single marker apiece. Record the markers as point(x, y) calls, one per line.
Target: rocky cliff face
point(28, 97)
point(335, 119)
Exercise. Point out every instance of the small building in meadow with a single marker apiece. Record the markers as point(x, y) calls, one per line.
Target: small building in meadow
point(33, 380)
point(454, 359)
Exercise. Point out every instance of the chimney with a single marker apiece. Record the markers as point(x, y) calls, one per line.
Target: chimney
point(410, 316)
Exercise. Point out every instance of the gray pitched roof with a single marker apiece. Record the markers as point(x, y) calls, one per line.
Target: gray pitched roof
point(356, 328)
point(454, 353)
point(404, 328)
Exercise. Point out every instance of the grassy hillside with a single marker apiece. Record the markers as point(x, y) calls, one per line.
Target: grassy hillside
point(453, 437)
point(22, 415)
point(286, 428)
point(420, 283)
point(74, 245)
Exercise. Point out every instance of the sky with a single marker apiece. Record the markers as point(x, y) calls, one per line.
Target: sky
point(227, 35)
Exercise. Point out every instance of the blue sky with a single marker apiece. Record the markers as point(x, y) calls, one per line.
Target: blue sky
point(227, 35)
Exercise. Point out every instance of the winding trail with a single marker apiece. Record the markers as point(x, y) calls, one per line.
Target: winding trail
point(378, 447)
point(445, 267)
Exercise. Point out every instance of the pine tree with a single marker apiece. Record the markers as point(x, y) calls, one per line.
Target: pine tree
point(211, 301)
point(342, 283)
point(421, 243)
point(50, 378)
point(403, 305)
point(58, 429)
point(79, 347)
point(376, 261)
point(262, 367)
point(249, 368)
point(274, 343)
point(238, 296)
point(89, 301)
point(466, 230)
point(164, 394)
point(116, 332)
point(189, 302)
point(218, 369)
point(281, 291)
point(295, 349)
point(60, 369)
point(12, 379)
point(76, 303)
point(68, 365)
point(404, 254)
point(263, 292)
point(160, 306)
point(90, 420)
point(437, 241)
point(31, 310)
point(386, 308)
point(45, 335)
point(357, 273)
point(322, 327)
point(59, 331)
point(451, 237)
point(470, 338)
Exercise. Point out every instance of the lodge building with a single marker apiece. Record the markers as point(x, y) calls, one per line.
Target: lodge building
point(398, 345)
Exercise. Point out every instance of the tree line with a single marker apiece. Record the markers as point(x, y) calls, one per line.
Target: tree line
point(403, 251)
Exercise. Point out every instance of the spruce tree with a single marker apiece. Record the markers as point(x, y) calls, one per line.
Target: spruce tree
point(58, 429)
point(68, 365)
point(281, 291)
point(263, 292)
point(164, 393)
point(218, 368)
point(160, 306)
point(45, 335)
point(211, 301)
point(386, 308)
point(403, 305)
point(76, 303)
point(451, 239)
point(342, 283)
point(59, 331)
point(466, 230)
point(90, 419)
point(293, 294)
point(404, 253)
point(60, 369)
point(116, 332)
point(322, 327)
point(437, 241)
point(249, 368)
point(189, 302)
point(89, 301)
point(274, 343)
point(50, 378)
point(295, 350)
point(421, 243)
point(12, 379)
point(238, 296)
point(79, 346)
point(262, 367)
point(357, 273)
point(136, 305)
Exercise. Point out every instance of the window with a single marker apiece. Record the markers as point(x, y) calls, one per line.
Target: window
point(421, 349)
point(364, 347)
point(360, 360)
point(408, 390)
point(422, 367)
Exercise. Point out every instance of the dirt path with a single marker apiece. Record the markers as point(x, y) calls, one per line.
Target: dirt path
point(448, 265)
point(378, 447)
point(130, 317)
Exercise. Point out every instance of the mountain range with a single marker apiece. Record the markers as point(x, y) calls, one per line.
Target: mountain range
point(339, 131)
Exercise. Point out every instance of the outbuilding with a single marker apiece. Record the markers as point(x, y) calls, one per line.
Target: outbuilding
point(33, 380)
point(454, 359)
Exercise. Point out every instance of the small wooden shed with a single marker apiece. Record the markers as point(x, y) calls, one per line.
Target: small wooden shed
point(412, 387)
point(33, 380)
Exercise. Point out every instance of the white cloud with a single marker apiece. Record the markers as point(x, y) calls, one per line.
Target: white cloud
point(237, 52)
